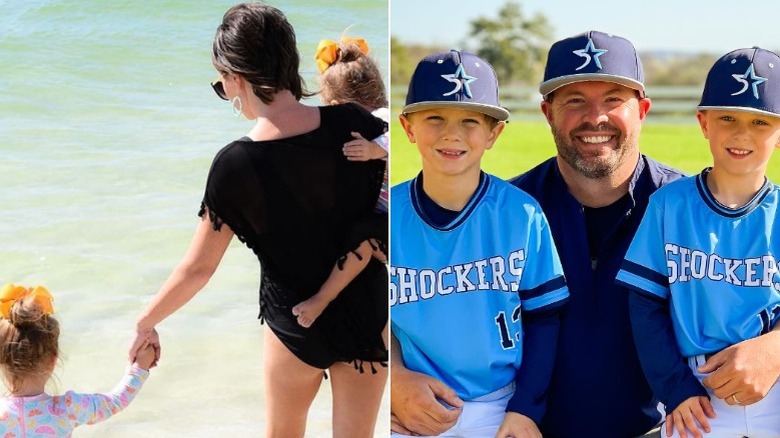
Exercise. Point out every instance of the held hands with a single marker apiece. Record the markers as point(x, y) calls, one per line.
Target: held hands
point(688, 416)
point(361, 149)
point(745, 372)
point(414, 404)
point(517, 425)
point(145, 356)
point(144, 338)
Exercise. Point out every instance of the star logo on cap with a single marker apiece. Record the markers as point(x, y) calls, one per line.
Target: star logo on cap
point(589, 53)
point(750, 76)
point(461, 81)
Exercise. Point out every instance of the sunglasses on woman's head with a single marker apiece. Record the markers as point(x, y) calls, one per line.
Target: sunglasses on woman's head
point(219, 89)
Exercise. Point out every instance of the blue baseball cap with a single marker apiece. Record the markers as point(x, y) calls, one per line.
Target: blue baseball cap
point(593, 56)
point(745, 80)
point(454, 79)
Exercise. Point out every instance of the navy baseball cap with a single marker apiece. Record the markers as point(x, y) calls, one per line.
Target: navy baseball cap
point(593, 56)
point(454, 79)
point(746, 80)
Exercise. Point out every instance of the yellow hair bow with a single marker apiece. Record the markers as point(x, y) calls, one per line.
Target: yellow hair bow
point(11, 293)
point(328, 51)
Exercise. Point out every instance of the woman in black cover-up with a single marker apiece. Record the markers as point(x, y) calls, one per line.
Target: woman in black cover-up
point(290, 195)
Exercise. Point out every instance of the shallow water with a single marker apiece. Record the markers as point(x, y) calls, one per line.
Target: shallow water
point(108, 129)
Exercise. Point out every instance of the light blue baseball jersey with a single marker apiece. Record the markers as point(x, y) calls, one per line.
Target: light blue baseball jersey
point(458, 292)
point(716, 265)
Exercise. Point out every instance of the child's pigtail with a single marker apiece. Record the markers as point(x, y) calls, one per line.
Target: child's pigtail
point(29, 334)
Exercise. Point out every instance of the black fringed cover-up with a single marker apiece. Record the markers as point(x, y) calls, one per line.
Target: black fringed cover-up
point(300, 205)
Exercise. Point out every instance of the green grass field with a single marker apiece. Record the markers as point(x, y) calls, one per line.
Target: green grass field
point(525, 144)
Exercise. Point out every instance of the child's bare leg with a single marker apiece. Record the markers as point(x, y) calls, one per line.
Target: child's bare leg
point(308, 311)
point(378, 254)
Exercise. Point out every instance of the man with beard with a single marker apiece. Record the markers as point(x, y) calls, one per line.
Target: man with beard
point(594, 193)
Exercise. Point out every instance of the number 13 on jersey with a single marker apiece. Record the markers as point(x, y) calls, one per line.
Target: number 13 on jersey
point(508, 336)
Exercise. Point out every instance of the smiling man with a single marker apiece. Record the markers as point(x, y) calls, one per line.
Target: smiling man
point(594, 193)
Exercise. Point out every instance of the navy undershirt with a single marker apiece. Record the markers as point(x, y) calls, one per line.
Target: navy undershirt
point(601, 221)
point(437, 214)
point(598, 388)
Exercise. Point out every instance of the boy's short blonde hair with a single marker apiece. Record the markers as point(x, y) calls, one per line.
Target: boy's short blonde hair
point(491, 121)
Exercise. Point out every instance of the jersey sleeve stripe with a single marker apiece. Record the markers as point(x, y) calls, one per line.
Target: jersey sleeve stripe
point(546, 299)
point(646, 273)
point(546, 287)
point(547, 309)
point(642, 292)
point(641, 284)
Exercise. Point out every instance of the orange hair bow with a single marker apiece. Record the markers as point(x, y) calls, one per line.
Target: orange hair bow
point(328, 51)
point(11, 293)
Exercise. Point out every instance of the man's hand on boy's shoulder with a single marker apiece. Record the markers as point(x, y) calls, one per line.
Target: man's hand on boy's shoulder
point(415, 404)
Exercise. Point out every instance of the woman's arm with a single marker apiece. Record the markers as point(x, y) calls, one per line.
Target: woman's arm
point(193, 272)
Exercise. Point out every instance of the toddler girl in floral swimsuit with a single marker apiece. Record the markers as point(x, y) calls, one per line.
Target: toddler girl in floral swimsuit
point(29, 350)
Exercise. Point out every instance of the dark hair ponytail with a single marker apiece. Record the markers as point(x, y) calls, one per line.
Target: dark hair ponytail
point(257, 42)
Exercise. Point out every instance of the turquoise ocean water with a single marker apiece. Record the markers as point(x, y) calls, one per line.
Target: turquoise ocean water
point(107, 129)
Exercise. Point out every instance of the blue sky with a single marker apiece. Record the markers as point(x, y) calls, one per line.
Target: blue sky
point(714, 26)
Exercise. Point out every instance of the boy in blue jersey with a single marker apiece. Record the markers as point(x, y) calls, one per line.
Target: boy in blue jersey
point(476, 283)
point(702, 266)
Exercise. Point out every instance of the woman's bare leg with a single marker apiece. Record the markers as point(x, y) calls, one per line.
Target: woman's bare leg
point(356, 399)
point(290, 386)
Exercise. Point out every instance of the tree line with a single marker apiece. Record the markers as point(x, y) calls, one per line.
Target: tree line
point(516, 45)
